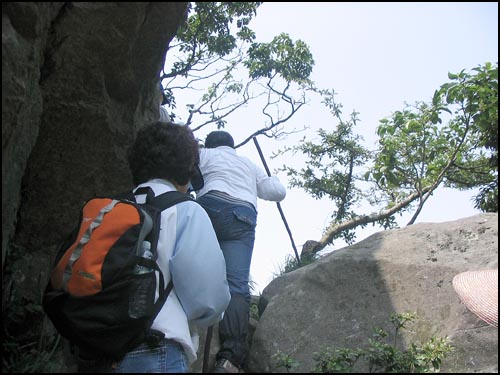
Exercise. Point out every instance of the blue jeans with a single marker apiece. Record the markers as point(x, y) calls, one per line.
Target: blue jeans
point(168, 357)
point(234, 223)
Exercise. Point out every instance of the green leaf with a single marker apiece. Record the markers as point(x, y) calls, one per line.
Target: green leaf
point(392, 178)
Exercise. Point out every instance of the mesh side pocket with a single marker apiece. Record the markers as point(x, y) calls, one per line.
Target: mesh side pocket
point(142, 295)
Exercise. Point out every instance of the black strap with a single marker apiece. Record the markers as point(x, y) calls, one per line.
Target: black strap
point(169, 199)
point(145, 190)
point(161, 300)
point(127, 195)
point(162, 201)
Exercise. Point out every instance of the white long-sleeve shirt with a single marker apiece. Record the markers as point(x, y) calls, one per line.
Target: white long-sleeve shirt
point(224, 170)
point(189, 253)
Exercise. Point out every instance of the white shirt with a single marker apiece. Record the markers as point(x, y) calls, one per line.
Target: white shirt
point(236, 175)
point(164, 116)
point(189, 253)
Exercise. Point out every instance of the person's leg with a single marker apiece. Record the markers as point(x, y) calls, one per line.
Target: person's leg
point(233, 331)
point(235, 228)
point(234, 328)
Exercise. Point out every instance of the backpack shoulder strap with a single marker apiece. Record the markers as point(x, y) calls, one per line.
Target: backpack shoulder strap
point(127, 195)
point(162, 201)
point(170, 198)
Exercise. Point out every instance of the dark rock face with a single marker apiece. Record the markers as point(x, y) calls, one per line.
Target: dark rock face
point(25, 30)
point(339, 299)
point(78, 81)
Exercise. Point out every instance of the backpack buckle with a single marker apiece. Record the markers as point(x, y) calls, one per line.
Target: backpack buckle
point(154, 338)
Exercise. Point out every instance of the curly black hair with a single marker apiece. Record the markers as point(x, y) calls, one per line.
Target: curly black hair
point(164, 150)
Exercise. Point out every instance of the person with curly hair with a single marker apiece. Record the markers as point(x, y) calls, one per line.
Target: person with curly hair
point(164, 157)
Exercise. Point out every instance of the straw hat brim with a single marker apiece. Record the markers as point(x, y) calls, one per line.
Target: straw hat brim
point(478, 290)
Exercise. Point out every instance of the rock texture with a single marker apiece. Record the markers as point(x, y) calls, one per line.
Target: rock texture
point(25, 30)
point(78, 80)
point(339, 299)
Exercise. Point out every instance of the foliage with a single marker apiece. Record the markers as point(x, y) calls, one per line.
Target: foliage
point(451, 141)
point(208, 58)
point(418, 149)
point(414, 153)
point(283, 360)
point(281, 56)
point(252, 285)
point(381, 356)
point(378, 355)
point(331, 167)
point(474, 100)
point(291, 264)
point(254, 310)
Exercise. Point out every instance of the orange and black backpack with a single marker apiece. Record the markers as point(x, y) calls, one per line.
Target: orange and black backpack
point(101, 292)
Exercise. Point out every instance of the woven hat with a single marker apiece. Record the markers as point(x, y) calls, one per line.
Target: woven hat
point(478, 290)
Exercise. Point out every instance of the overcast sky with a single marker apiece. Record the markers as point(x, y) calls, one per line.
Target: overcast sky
point(377, 57)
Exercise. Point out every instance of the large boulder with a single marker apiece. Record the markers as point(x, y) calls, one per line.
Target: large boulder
point(337, 300)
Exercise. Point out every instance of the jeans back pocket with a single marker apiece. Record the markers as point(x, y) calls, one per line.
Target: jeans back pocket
point(246, 215)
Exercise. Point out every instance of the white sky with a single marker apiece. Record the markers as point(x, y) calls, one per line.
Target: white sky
point(376, 56)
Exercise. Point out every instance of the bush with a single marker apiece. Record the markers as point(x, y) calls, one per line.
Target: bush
point(379, 356)
point(291, 264)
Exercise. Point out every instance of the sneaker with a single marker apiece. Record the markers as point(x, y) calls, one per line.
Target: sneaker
point(223, 365)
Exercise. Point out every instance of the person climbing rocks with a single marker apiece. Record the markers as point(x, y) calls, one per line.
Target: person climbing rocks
point(233, 183)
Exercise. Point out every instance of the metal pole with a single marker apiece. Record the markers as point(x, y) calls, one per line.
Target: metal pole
point(278, 203)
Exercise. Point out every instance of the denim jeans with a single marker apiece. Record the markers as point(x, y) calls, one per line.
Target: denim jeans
point(168, 356)
point(234, 223)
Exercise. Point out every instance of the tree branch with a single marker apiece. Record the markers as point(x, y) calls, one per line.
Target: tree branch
point(334, 229)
